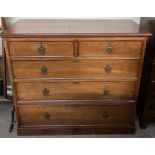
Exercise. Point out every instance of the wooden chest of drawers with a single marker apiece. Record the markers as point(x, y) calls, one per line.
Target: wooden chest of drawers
point(72, 78)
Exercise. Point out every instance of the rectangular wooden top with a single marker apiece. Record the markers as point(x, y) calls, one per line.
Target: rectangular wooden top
point(69, 27)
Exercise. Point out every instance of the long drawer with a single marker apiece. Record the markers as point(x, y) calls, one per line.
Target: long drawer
point(113, 48)
point(69, 90)
point(41, 49)
point(76, 68)
point(75, 114)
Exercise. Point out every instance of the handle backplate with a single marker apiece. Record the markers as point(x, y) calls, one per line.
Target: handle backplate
point(44, 70)
point(108, 69)
point(47, 116)
point(105, 114)
point(45, 92)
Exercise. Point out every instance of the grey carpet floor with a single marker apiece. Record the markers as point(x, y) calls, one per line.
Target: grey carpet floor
point(5, 122)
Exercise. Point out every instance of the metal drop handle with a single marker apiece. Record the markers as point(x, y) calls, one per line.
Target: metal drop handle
point(109, 48)
point(106, 91)
point(41, 49)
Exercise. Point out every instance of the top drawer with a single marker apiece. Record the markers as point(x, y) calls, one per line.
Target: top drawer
point(115, 48)
point(56, 49)
point(66, 48)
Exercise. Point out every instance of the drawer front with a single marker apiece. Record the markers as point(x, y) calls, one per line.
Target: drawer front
point(83, 90)
point(150, 113)
point(75, 114)
point(150, 102)
point(113, 48)
point(56, 49)
point(77, 68)
point(152, 88)
point(153, 72)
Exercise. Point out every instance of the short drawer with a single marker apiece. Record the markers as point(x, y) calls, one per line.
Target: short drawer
point(152, 88)
point(56, 49)
point(75, 114)
point(153, 72)
point(76, 90)
point(150, 102)
point(113, 48)
point(150, 113)
point(76, 68)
